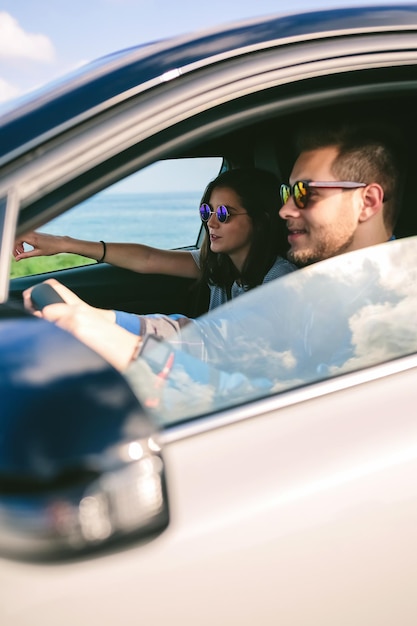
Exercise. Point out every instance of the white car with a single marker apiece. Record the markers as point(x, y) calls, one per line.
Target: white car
point(291, 499)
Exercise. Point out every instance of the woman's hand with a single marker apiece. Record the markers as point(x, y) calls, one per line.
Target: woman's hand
point(43, 245)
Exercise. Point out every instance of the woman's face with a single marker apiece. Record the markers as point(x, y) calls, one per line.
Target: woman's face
point(233, 237)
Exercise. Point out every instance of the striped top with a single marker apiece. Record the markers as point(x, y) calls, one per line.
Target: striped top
point(218, 295)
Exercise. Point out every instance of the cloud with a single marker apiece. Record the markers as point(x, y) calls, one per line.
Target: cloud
point(15, 43)
point(7, 91)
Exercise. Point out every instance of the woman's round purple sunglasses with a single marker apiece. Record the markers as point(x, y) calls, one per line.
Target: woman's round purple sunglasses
point(221, 212)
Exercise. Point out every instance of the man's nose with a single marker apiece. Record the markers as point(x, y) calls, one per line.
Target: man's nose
point(289, 209)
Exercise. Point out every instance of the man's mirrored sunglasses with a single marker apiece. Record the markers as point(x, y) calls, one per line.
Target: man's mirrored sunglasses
point(300, 190)
point(221, 212)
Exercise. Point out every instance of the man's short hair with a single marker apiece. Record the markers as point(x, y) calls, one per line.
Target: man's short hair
point(368, 154)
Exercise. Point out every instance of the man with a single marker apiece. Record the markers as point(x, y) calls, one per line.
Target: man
point(358, 203)
point(343, 195)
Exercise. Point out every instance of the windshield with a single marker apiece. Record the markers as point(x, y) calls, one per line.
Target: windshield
point(337, 316)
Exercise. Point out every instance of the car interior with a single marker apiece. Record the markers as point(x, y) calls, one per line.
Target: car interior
point(254, 130)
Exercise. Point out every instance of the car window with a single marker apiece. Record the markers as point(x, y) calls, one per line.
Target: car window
point(341, 315)
point(157, 206)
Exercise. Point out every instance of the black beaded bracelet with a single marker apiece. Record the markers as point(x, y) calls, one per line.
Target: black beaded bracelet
point(104, 252)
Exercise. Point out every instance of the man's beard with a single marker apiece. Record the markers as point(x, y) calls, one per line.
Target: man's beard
point(324, 250)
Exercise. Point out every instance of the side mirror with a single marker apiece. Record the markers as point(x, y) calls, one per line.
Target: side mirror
point(80, 464)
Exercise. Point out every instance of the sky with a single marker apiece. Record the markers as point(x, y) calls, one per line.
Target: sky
point(45, 39)
point(42, 40)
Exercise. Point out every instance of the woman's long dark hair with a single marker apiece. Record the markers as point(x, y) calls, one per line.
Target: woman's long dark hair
point(258, 192)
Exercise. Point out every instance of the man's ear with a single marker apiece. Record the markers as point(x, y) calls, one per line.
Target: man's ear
point(372, 201)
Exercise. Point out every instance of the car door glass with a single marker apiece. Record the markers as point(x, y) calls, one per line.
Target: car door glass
point(157, 206)
point(346, 314)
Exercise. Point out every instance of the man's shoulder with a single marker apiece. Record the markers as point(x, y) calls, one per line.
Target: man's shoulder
point(280, 267)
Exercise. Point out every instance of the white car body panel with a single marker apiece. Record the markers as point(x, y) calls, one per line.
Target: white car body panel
point(317, 496)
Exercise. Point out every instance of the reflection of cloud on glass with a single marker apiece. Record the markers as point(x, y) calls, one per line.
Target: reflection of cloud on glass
point(350, 268)
point(287, 360)
point(183, 396)
point(255, 356)
point(382, 332)
point(386, 329)
point(172, 400)
point(392, 268)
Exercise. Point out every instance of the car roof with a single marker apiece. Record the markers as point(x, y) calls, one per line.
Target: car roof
point(41, 114)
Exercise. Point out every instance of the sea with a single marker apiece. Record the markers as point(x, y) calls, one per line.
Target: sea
point(164, 220)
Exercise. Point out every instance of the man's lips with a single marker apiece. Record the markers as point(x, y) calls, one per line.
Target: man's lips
point(294, 233)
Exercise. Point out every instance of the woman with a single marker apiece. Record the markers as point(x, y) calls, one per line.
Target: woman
point(247, 248)
point(242, 249)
